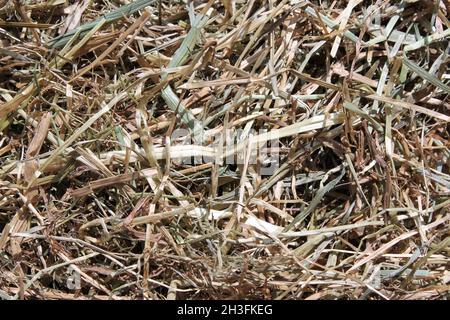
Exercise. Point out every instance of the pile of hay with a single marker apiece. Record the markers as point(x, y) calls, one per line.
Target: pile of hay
point(224, 149)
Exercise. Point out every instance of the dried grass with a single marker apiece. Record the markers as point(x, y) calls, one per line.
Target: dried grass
point(356, 92)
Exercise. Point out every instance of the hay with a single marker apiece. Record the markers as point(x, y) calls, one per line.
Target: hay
point(224, 150)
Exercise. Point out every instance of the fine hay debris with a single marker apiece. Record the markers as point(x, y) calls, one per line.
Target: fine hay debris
point(224, 149)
